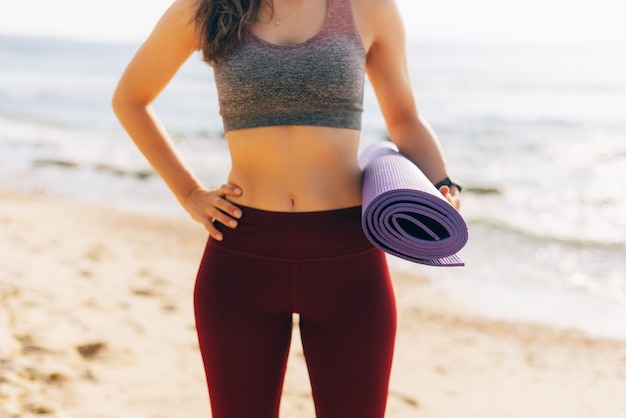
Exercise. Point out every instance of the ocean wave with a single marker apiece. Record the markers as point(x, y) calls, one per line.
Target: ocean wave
point(102, 168)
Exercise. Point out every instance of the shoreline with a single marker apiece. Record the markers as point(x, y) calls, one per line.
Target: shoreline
point(96, 321)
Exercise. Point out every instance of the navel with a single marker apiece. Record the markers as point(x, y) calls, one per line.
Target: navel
point(292, 201)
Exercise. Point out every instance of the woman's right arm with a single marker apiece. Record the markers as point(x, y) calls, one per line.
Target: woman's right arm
point(170, 44)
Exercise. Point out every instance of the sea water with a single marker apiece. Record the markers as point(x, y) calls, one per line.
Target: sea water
point(537, 135)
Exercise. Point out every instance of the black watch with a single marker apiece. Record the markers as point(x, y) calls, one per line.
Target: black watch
point(449, 183)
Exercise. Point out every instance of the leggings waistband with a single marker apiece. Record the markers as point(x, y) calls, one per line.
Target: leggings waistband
point(296, 235)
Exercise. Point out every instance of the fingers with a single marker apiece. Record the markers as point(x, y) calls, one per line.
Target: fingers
point(225, 206)
point(212, 230)
point(452, 196)
point(229, 190)
point(222, 210)
point(210, 207)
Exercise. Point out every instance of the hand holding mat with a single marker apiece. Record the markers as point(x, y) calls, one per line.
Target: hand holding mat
point(404, 214)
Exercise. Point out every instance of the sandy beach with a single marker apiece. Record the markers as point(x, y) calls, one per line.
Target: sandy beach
point(96, 322)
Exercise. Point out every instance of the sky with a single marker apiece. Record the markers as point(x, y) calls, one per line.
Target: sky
point(480, 21)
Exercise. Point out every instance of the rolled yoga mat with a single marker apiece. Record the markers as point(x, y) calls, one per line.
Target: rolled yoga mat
point(404, 214)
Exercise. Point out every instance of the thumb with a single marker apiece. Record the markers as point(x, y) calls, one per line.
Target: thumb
point(444, 190)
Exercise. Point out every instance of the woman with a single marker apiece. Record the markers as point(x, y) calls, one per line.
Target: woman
point(284, 232)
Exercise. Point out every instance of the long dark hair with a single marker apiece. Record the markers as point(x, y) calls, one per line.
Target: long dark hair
point(222, 24)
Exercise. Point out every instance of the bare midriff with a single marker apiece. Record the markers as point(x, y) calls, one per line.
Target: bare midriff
point(295, 168)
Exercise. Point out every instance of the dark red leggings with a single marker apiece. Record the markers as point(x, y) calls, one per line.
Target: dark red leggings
point(317, 264)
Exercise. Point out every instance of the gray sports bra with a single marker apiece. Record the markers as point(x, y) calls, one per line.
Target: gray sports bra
point(318, 82)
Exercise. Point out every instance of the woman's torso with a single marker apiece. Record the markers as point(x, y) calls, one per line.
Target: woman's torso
point(295, 168)
point(298, 168)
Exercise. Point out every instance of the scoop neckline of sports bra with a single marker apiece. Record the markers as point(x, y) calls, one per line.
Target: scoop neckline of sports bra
point(305, 42)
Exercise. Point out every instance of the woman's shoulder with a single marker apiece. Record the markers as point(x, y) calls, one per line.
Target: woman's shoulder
point(373, 11)
point(376, 17)
point(373, 4)
point(186, 8)
point(194, 4)
point(182, 14)
point(189, 6)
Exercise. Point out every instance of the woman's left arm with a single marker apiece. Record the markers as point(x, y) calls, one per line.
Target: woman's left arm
point(388, 72)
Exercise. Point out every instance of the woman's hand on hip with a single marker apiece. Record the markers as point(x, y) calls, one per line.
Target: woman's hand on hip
point(209, 206)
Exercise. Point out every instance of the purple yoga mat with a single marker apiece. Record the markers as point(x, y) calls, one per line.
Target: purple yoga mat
point(404, 214)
